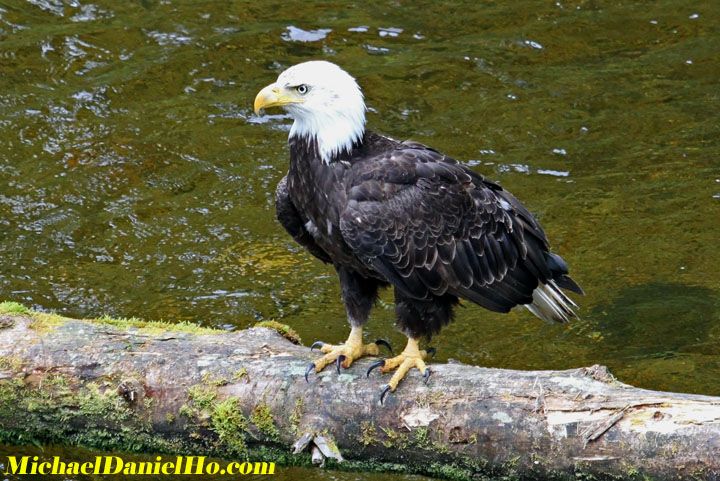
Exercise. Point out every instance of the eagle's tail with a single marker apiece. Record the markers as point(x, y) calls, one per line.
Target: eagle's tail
point(549, 301)
point(551, 304)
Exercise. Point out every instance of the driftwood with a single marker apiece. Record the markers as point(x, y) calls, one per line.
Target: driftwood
point(235, 395)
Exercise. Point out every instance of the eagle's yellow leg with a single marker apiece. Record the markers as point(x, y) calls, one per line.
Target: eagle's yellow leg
point(345, 354)
point(412, 356)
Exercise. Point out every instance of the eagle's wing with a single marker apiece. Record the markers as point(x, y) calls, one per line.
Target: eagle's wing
point(290, 219)
point(431, 226)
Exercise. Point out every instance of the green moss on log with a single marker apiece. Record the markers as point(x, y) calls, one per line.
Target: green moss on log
point(368, 433)
point(230, 425)
point(8, 307)
point(202, 397)
point(262, 418)
point(43, 321)
point(49, 408)
point(296, 416)
point(10, 363)
point(285, 331)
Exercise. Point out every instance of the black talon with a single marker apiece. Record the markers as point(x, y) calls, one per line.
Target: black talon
point(311, 367)
point(431, 351)
point(317, 344)
point(379, 363)
point(339, 361)
point(383, 342)
point(384, 393)
point(426, 375)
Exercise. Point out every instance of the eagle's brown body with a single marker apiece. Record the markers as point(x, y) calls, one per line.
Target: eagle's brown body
point(403, 214)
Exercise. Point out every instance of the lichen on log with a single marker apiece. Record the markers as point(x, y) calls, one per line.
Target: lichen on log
point(156, 387)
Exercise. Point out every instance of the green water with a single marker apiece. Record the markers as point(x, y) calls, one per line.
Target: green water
point(135, 180)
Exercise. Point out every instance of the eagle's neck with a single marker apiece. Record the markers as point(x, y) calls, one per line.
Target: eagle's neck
point(311, 181)
point(332, 135)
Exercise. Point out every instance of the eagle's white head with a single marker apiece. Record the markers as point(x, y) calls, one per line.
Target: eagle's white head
point(325, 102)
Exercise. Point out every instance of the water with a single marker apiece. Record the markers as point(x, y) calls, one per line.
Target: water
point(136, 181)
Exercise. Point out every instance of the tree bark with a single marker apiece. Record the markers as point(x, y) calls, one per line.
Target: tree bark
point(155, 388)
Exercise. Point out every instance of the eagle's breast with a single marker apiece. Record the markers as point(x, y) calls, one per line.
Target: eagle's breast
point(319, 192)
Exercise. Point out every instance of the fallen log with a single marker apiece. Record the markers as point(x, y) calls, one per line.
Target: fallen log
point(162, 388)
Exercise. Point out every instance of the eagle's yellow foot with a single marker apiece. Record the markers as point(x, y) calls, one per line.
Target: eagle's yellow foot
point(345, 354)
point(411, 357)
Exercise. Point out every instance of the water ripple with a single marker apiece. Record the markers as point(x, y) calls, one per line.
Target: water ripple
point(170, 38)
point(56, 7)
point(295, 34)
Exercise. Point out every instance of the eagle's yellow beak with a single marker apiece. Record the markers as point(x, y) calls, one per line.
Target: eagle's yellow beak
point(274, 96)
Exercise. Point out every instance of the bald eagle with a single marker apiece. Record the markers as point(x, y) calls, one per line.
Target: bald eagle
point(401, 214)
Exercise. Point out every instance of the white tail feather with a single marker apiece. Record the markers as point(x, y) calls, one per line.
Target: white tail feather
point(550, 304)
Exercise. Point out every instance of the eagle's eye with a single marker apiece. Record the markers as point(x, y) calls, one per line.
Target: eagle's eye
point(302, 89)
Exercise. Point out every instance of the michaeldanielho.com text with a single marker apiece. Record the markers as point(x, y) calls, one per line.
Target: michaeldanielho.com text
point(191, 465)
